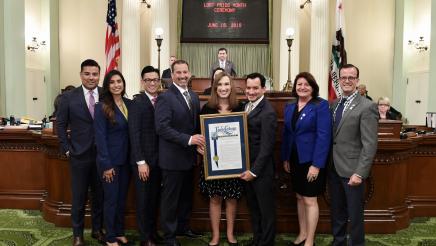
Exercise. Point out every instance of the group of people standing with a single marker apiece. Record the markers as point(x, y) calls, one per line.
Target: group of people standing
point(155, 140)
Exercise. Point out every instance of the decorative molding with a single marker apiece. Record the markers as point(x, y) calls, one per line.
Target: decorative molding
point(11, 146)
point(424, 150)
point(389, 158)
point(54, 153)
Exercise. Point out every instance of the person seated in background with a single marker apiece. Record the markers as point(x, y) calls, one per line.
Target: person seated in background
point(223, 63)
point(166, 74)
point(384, 106)
point(217, 71)
point(363, 92)
point(57, 100)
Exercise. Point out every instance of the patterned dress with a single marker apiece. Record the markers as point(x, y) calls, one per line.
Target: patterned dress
point(225, 188)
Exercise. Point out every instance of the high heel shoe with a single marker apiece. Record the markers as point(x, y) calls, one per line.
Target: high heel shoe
point(232, 244)
point(298, 244)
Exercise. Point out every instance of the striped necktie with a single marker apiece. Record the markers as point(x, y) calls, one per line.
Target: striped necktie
point(188, 98)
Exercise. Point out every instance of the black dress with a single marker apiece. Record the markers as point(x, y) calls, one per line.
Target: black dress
point(225, 188)
point(299, 170)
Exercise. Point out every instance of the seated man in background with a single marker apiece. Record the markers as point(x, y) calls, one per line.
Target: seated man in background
point(362, 91)
point(166, 74)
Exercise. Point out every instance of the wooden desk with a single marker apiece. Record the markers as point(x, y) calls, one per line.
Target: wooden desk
point(401, 185)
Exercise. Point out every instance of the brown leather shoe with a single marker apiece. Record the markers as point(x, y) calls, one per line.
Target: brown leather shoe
point(78, 241)
point(99, 235)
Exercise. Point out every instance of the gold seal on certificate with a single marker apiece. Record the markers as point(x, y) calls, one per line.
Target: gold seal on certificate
point(226, 151)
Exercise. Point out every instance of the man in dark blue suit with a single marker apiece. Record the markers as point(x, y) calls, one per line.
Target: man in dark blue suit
point(76, 111)
point(176, 120)
point(144, 151)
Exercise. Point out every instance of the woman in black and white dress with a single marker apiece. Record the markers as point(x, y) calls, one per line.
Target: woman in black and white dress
point(223, 100)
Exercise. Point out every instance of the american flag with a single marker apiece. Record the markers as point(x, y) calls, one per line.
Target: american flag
point(112, 47)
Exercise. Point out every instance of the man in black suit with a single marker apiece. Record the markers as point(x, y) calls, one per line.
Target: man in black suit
point(223, 63)
point(262, 124)
point(144, 151)
point(76, 111)
point(176, 120)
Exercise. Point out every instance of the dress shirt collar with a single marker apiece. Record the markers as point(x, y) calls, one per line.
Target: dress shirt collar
point(86, 93)
point(255, 103)
point(350, 98)
point(179, 88)
point(149, 95)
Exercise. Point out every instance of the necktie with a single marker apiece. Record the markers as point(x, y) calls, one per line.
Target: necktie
point(91, 105)
point(339, 111)
point(222, 65)
point(250, 107)
point(188, 98)
point(153, 100)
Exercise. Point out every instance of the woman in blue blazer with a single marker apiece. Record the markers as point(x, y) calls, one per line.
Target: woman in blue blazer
point(305, 147)
point(112, 141)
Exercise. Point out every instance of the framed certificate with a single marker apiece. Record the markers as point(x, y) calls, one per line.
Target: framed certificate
point(226, 149)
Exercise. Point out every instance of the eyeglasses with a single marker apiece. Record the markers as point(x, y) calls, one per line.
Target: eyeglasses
point(151, 80)
point(350, 78)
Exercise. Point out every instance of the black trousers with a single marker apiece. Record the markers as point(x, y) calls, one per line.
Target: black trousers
point(176, 202)
point(147, 198)
point(84, 175)
point(347, 203)
point(261, 204)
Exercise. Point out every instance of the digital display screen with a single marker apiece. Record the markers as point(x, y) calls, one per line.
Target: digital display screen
point(216, 21)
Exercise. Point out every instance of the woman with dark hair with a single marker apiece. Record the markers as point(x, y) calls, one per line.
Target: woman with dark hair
point(223, 100)
point(305, 147)
point(112, 141)
point(216, 71)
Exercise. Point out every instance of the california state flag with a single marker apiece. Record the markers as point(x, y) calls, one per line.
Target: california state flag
point(339, 56)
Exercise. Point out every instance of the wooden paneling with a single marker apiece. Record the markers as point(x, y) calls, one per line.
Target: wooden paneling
point(22, 182)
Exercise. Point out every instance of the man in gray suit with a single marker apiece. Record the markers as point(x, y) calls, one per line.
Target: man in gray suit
point(223, 63)
point(354, 146)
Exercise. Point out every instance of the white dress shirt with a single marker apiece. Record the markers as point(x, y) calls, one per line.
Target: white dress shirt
point(86, 94)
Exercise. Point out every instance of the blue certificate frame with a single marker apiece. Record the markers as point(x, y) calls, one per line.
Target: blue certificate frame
point(226, 153)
